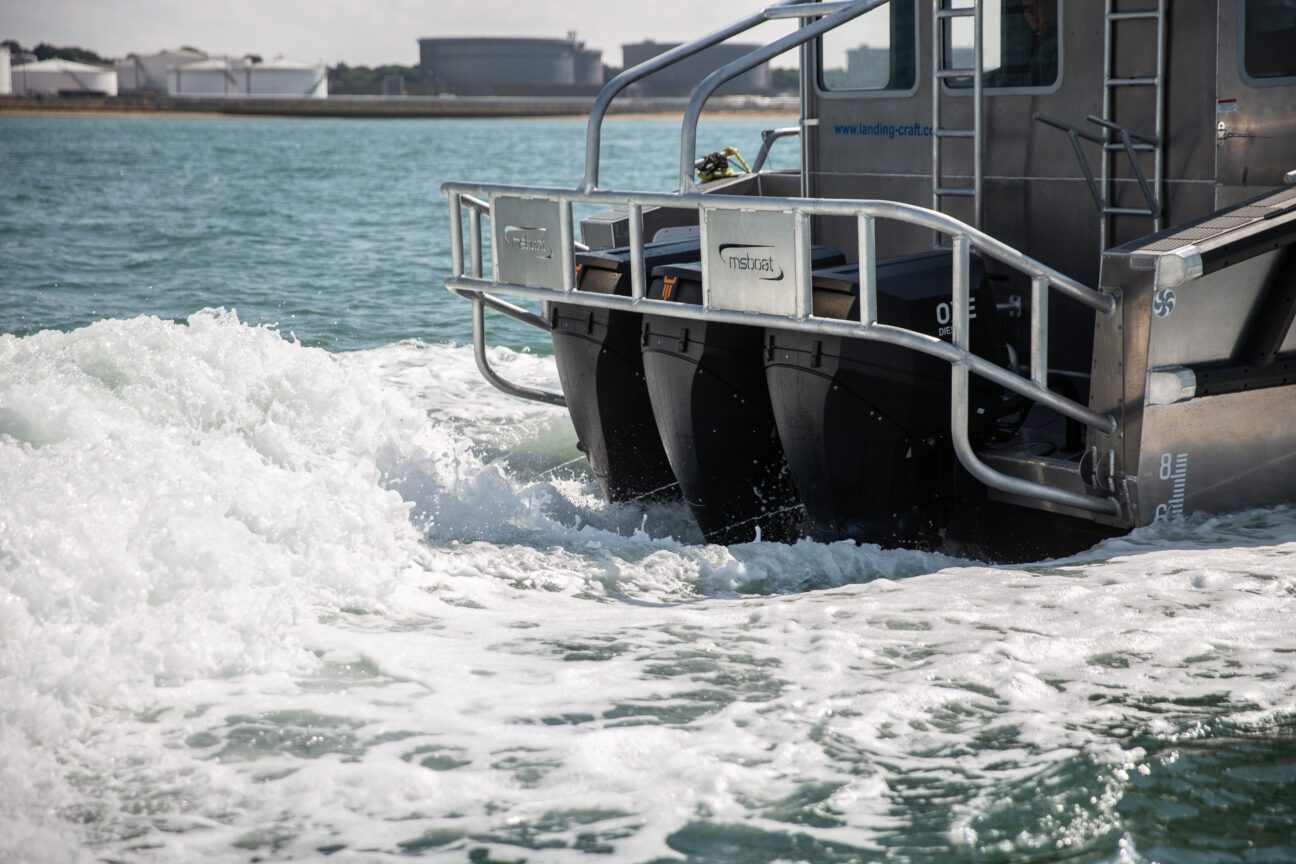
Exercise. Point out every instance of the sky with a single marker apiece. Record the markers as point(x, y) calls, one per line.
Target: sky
point(357, 32)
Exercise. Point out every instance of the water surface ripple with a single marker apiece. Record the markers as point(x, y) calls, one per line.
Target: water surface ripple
point(268, 599)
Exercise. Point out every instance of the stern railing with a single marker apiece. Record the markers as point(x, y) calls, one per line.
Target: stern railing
point(476, 287)
point(551, 281)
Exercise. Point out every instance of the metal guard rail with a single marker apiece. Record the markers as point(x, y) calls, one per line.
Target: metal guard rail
point(866, 212)
point(805, 9)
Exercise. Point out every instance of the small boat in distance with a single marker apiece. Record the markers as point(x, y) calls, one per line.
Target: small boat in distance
point(1032, 286)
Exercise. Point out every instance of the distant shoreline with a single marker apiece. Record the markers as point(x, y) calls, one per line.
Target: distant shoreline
point(411, 107)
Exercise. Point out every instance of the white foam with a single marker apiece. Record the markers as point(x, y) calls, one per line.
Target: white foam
point(260, 599)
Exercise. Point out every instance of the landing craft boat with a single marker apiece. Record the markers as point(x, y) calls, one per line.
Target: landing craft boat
point(1033, 284)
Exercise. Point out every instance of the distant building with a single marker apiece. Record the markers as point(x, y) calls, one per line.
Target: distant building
point(228, 76)
point(6, 77)
point(684, 76)
point(492, 66)
point(63, 78)
point(867, 68)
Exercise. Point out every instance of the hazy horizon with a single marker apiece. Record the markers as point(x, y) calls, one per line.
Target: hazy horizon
point(359, 34)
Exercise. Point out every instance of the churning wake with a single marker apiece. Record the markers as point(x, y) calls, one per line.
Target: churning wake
point(258, 600)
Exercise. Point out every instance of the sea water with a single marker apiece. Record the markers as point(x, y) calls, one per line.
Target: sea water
point(282, 579)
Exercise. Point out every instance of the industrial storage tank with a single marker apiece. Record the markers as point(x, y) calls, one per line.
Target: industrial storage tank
point(480, 60)
point(215, 76)
point(680, 79)
point(54, 77)
point(589, 66)
point(140, 72)
point(283, 77)
point(6, 78)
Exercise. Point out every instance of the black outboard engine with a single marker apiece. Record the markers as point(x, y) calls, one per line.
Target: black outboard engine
point(866, 425)
point(707, 386)
point(601, 370)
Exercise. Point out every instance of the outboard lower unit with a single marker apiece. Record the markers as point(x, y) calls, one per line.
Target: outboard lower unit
point(601, 370)
point(865, 425)
point(707, 386)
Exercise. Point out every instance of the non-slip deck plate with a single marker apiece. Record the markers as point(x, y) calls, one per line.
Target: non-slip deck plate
point(1232, 220)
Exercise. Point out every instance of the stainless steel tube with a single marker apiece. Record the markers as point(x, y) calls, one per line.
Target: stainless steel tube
point(598, 111)
point(829, 326)
point(484, 367)
point(909, 213)
point(868, 270)
point(1039, 330)
point(704, 91)
point(638, 279)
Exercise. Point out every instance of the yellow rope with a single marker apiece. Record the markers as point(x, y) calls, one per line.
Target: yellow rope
point(716, 166)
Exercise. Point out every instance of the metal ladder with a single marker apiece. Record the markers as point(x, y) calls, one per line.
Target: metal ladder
point(943, 11)
point(1156, 145)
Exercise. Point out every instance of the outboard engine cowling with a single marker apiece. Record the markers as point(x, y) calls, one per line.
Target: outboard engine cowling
point(865, 425)
point(601, 370)
point(707, 385)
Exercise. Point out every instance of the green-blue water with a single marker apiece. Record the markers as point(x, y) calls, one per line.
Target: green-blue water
point(335, 598)
point(335, 230)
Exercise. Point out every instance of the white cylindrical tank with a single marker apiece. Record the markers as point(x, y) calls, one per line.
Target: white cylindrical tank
point(150, 72)
point(130, 76)
point(63, 76)
point(6, 78)
point(215, 76)
point(282, 77)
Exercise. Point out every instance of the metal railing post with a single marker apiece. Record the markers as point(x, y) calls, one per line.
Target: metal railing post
point(475, 241)
point(868, 270)
point(1039, 330)
point(804, 265)
point(638, 286)
point(566, 239)
point(961, 249)
point(456, 235)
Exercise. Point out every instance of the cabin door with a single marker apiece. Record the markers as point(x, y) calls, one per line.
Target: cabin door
point(1255, 96)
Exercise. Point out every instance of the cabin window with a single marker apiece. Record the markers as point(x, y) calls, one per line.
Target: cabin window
point(1269, 38)
point(876, 51)
point(1019, 48)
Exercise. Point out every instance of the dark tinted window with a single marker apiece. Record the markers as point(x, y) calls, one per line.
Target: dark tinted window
point(873, 52)
point(1020, 47)
point(1269, 38)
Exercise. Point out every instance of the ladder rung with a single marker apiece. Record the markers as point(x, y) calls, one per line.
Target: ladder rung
point(1134, 82)
point(956, 191)
point(1135, 146)
point(961, 12)
point(1151, 14)
point(955, 133)
point(1127, 211)
point(955, 73)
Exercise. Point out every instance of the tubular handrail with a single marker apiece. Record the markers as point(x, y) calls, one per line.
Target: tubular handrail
point(768, 138)
point(598, 111)
point(962, 361)
point(718, 78)
point(848, 207)
point(480, 300)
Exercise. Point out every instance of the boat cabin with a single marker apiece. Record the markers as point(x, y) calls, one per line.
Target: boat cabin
point(1033, 284)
